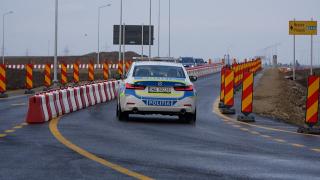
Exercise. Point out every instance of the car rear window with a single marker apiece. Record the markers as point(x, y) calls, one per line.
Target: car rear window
point(158, 71)
point(187, 60)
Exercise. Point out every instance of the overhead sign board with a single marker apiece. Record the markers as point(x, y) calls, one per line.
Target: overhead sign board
point(302, 27)
point(133, 34)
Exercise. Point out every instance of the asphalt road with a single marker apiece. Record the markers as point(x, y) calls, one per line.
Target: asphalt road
point(93, 144)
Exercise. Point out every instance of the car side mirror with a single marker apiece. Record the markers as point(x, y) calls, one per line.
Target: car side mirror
point(193, 78)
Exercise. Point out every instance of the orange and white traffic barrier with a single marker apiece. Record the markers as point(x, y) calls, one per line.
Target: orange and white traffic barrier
point(228, 92)
point(76, 78)
point(47, 75)
point(105, 71)
point(29, 79)
point(247, 98)
point(91, 72)
point(3, 81)
point(64, 78)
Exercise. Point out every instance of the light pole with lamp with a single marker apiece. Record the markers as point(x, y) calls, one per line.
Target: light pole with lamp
point(99, 8)
point(3, 16)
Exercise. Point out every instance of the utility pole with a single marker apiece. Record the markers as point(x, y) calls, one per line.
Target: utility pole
point(120, 31)
point(98, 54)
point(55, 61)
point(150, 30)
point(3, 29)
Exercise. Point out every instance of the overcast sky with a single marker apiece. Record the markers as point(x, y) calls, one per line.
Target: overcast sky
point(200, 28)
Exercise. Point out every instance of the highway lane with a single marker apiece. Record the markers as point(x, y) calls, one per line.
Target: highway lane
point(160, 148)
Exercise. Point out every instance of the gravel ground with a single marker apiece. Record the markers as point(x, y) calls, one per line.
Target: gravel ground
point(279, 98)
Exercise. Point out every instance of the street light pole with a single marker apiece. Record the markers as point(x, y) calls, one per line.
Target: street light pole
point(150, 30)
point(98, 54)
point(55, 61)
point(120, 31)
point(169, 28)
point(159, 13)
point(3, 16)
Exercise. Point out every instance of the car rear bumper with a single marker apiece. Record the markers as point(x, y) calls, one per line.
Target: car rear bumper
point(132, 104)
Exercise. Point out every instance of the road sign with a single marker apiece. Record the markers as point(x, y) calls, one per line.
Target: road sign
point(302, 27)
point(133, 34)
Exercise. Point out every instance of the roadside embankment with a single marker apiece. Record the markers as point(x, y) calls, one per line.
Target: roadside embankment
point(280, 98)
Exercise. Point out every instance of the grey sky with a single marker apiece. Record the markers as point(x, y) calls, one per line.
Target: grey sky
point(200, 28)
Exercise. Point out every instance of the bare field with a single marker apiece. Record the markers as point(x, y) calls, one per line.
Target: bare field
point(279, 98)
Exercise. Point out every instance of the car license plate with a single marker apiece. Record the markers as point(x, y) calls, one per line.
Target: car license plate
point(159, 90)
point(159, 103)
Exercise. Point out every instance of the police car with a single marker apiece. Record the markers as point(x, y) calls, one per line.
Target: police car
point(153, 87)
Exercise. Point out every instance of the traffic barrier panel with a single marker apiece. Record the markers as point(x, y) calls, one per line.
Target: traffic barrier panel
point(96, 93)
point(103, 92)
point(91, 72)
point(84, 96)
point(57, 102)
point(71, 100)
point(64, 101)
point(29, 79)
point(90, 95)
point(221, 104)
point(3, 81)
point(76, 78)
point(247, 98)
point(120, 68)
point(228, 92)
point(78, 99)
point(47, 75)
point(107, 90)
point(312, 106)
point(105, 71)
point(64, 79)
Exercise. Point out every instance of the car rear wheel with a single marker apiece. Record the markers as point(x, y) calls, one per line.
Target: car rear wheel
point(122, 116)
point(189, 118)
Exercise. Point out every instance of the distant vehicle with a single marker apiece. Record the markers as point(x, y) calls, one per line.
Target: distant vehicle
point(188, 61)
point(199, 61)
point(154, 87)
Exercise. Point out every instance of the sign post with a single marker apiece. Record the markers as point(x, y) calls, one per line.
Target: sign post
point(302, 28)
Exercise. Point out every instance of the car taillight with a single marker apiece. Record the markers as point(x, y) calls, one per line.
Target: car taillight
point(183, 88)
point(133, 86)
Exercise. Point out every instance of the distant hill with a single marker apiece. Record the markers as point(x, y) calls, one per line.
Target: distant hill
point(104, 56)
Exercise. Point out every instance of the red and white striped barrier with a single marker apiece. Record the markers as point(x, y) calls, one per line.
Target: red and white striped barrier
point(204, 70)
point(46, 106)
point(69, 66)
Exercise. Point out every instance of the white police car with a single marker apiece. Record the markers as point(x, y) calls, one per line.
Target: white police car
point(154, 87)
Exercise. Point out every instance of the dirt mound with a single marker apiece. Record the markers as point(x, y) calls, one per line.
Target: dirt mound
point(279, 98)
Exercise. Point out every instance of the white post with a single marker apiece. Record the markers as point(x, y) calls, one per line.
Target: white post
point(294, 58)
point(311, 71)
point(124, 49)
point(169, 28)
point(159, 13)
point(55, 61)
point(98, 53)
point(3, 29)
point(3, 38)
point(120, 31)
point(142, 41)
point(150, 30)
